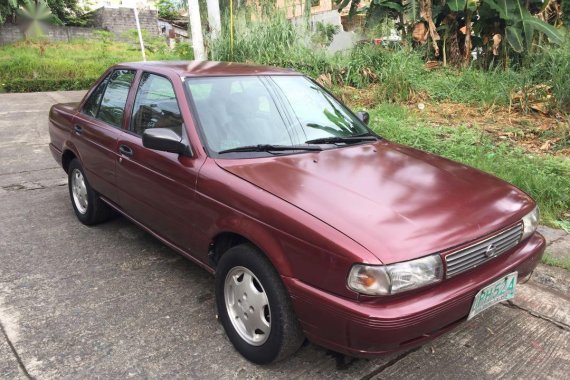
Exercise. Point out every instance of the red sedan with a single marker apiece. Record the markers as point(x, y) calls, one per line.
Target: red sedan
point(314, 226)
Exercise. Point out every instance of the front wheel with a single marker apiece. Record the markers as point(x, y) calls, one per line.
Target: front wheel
point(254, 307)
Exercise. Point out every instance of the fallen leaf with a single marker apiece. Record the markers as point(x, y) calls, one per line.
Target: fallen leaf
point(548, 143)
point(541, 107)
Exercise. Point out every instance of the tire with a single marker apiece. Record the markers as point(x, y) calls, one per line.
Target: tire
point(88, 207)
point(284, 335)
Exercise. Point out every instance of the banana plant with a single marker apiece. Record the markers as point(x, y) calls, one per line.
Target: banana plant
point(521, 25)
point(411, 9)
point(468, 7)
point(463, 5)
point(35, 12)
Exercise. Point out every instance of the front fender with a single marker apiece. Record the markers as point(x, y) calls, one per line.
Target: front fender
point(296, 243)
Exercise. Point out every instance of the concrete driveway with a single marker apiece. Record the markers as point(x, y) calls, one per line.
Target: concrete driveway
point(112, 302)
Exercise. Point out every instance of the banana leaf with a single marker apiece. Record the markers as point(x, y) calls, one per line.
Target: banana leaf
point(456, 5)
point(515, 38)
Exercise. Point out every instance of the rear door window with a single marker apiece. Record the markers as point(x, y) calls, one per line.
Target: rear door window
point(91, 106)
point(112, 106)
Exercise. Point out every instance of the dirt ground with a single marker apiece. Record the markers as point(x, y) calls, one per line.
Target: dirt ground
point(534, 131)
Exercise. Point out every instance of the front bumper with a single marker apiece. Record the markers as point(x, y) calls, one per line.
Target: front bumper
point(395, 323)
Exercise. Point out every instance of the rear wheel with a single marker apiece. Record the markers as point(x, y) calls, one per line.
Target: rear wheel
point(254, 306)
point(88, 207)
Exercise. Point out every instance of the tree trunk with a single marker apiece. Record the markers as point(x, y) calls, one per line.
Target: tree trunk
point(196, 30)
point(426, 14)
point(214, 18)
point(454, 57)
point(467, 47)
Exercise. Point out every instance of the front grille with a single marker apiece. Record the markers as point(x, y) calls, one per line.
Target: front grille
point(478, 253)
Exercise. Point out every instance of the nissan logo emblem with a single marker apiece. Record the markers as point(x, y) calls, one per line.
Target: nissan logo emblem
point(491, 250)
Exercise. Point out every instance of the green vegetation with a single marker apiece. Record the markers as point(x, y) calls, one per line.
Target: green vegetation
point(401, 74)
point(41, 66)
point(498, 30)
point(67, 12)
point(552, 67)
point(556, 261)
point(545, 178)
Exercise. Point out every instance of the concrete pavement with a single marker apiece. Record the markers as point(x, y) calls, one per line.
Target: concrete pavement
point(112, 302)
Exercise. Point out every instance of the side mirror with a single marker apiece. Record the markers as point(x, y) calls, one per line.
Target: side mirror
point(363, 116)
point(163, 139)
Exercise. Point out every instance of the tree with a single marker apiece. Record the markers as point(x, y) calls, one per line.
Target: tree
point(7, 8)
point(35, 12)
point(196, 30)
point(64, 10)
point(167, 9)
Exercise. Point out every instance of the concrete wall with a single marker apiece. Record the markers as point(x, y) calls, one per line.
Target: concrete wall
point(12, 33)
point(115, 20)
point(296, 8)
point(342, 40)
point(121, 20)
point(94, 4)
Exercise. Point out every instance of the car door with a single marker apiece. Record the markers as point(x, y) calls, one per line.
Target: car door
point(96, 130)
point(158, 188)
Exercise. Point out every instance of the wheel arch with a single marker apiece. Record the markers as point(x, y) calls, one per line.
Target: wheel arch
point(66, 159)
point(262, 239)
point(68, 154)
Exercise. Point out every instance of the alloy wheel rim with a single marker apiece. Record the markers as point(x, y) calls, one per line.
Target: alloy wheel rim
point(79, 191)
point(247, 305)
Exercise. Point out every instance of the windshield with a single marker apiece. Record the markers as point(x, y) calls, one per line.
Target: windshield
point(247, 111)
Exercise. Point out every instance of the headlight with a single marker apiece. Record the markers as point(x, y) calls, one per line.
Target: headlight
point(530, 223)
point(395, 278)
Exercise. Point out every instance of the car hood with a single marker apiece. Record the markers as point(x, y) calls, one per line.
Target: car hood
point(397, 202)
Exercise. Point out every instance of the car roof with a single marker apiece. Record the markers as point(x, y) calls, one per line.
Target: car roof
point(209, 68)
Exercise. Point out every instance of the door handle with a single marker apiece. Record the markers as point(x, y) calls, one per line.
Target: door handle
point(125, 150)
point(78, 129)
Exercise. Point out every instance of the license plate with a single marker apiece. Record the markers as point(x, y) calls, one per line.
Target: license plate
point(500, 290)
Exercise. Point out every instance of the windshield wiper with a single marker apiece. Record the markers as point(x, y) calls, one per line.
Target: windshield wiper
point(269, 147)
point(339, 139)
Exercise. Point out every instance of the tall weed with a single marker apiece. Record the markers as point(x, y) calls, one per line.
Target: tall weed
point(552, 67)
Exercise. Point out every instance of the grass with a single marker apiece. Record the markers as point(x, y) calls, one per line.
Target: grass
point(546, 178)
point(471, 86)
point(556, 261)
point(78, 59)
point(552, 67)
